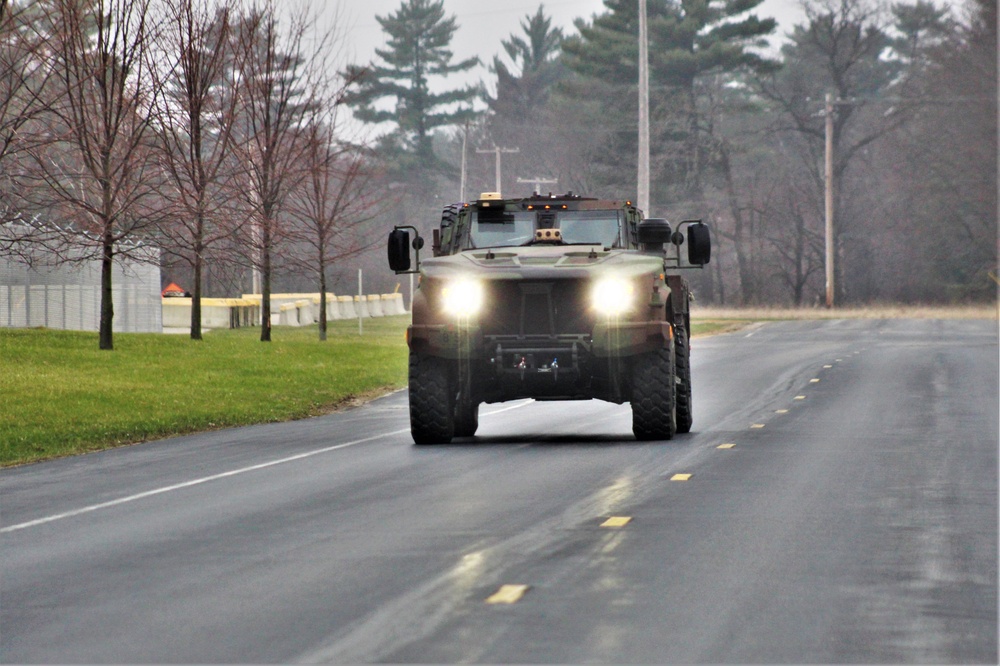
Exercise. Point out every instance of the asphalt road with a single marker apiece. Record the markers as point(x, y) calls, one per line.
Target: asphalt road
point(853, 519)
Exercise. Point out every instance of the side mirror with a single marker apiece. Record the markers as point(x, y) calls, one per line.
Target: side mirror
point(653, 233)
point(699, 244)
point(399, 250)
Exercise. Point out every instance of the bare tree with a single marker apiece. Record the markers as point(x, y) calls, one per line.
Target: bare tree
point(97, 170)
point(844, 49)
point(334, 205)
point(23, 79)
point(195, 118)
point(276, 74)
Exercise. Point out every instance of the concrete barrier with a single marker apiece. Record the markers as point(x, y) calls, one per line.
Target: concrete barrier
point(215, 313)
point(307, 315)
point(361, 306)
point(336, 307)
point(347, 309)
point(332, 307)
point(176, 313)
point(392, 304)
point(288, 315)
point(286, 309)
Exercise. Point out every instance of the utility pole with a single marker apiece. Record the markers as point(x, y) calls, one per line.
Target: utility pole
point(642, 188)
point(829, 202)
point(498, 150)
point(538, 181)
point(465, 140)
point(831, 245)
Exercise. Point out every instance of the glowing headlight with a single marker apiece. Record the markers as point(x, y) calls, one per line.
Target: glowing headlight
point(612, 296)
point(462, 298)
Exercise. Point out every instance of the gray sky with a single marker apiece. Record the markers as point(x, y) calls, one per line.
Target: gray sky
point(483, 24)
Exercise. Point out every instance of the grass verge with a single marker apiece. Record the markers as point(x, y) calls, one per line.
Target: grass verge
point(751, 314)
point(60, 395)
point(713, 320)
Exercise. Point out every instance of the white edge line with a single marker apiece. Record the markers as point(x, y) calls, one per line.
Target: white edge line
point(194, 482)
point(214, 477)
point(507, 409)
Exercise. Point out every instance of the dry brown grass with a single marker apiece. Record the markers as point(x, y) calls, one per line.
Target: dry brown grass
point(871, 312)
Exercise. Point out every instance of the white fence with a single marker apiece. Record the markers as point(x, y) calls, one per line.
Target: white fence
point(286, 309)
point(68, 296)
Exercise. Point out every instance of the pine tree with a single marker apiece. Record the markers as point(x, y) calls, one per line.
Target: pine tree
point(520, 94)
point(946, 161)
point(419, 36)
point(688, 40)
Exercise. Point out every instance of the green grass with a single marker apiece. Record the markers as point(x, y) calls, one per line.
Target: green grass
point(711, 327)
point(61, 395)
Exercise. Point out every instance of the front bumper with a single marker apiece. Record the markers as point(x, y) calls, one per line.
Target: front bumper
point(605, 340)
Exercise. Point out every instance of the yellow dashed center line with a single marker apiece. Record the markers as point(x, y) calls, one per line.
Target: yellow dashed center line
point(800, 397)
point(616, 521)
point(813, 381)
point(725, 446)
point(781, 411)
point(757, 426)
point(507, 594)
point(827, 367)
point(680, 477)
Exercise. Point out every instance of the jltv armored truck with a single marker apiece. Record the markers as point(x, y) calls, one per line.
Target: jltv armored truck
point(551, 298)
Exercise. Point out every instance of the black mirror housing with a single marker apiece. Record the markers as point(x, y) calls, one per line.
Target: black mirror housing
point(699, 244)
point(399, 250)
point(653, 233)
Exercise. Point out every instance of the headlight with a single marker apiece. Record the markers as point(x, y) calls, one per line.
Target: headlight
point(613, 296)
point(462, 298)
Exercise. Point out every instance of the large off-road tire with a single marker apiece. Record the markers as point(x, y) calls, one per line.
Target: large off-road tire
point(682, 358)
point(654, 414)
point(466, 418)
point(450, 214)
point(432, 401)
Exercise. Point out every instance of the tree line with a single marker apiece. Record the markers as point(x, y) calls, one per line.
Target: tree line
point(209, 130)
point(737, 134)
point(219, 131)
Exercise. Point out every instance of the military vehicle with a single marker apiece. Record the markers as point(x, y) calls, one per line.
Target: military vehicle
point(551, 298)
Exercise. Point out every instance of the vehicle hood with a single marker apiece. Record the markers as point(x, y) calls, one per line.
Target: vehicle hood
point(536, 262)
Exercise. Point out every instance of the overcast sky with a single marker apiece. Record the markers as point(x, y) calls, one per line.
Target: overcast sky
point(483, 24)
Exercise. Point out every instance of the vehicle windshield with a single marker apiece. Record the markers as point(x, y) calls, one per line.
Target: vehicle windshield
point(518, 229)
point(597, 227)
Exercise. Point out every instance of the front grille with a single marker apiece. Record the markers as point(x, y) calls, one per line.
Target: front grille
point(536, 308)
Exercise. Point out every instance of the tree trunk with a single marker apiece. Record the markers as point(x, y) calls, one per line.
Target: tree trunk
point(694, 153)
point(322, 299)
point(196, 293)
point(107, 303)
point(265, 282)
point(740, 237)
point(800, 257)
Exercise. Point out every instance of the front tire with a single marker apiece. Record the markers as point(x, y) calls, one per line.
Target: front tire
point(432, 411)
point(682, 356)
point(466, 418)
point(654, 409)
